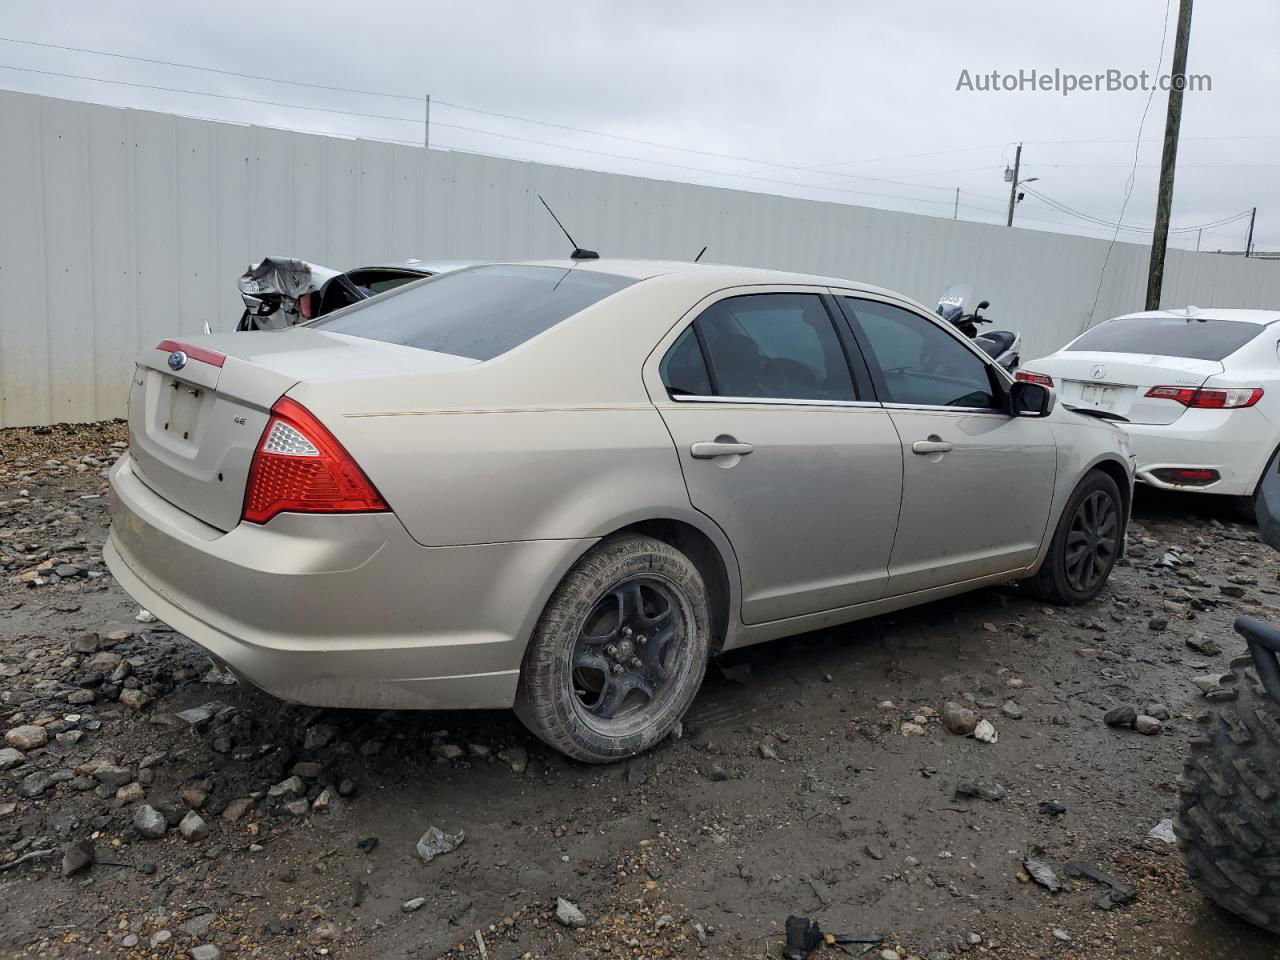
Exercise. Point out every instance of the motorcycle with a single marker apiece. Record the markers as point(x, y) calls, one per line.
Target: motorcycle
point(1003, 346)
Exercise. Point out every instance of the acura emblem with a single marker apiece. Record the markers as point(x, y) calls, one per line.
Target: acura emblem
point(1098, 371)
point(177, 360)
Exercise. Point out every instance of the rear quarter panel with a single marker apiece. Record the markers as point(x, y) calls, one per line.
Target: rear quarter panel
point(491, 475)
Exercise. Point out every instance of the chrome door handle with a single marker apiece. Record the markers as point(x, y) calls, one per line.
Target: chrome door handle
point(710, 449)
point(935, 444)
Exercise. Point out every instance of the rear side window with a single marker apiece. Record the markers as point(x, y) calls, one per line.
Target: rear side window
point(768, 346)
point(1192, 338)
point(683, 369)
point(479, 313)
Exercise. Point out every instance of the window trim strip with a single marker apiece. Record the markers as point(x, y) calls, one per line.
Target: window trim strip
point(776, 401)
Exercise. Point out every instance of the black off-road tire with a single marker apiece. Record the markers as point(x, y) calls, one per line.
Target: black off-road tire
point(545, 699)
point(1246, 506)
point(1228, 823)
point(1050, 583)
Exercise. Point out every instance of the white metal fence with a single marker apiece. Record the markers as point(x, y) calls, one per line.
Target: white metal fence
point(118, 227)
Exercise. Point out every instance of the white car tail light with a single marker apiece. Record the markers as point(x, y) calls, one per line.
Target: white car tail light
point(1211, 398)
point(300, 467)
point(1027, 376)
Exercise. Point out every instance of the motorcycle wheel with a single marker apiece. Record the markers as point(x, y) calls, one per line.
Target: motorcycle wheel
point(1228, 823)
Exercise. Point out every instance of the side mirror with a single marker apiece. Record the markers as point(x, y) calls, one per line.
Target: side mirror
point(984, 304)
point(1031, 399)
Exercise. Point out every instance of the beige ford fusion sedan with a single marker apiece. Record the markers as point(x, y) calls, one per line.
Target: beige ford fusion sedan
point(563, 486)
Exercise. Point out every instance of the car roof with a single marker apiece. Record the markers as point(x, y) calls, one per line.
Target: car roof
point(1260, 317)
point(715, 273)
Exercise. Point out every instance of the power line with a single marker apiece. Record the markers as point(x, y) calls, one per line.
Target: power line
point(225, 73)
point(1156, 166)
point(508, 136)
point(1059, 205)
point(202, 93)
point(1099, 222)
point(456, 106)
point(1137, 149)
point(1217, 138)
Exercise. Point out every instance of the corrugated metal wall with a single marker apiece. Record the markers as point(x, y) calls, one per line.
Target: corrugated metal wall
point(118, 227)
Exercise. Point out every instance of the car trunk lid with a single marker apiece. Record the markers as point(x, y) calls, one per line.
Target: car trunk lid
point(1117, 383)
point(195, 422)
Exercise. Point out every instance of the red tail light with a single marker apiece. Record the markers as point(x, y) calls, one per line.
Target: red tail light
point(1210, 398)
point(300, 467)
point(1026, 376)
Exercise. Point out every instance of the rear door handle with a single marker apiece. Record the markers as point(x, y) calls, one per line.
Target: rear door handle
point(935, 444)
point(710, 449)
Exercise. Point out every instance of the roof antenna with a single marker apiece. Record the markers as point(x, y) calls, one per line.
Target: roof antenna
point(578, 252)
point(700, 253)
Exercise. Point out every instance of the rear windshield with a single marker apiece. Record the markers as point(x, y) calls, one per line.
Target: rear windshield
point(480, 312)
point(1192, 338)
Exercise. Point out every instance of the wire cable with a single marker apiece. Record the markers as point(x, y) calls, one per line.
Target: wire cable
point(1134, 227)
point(1137, 148)
point(435, 102)
point(203, 93)
point(508, 136)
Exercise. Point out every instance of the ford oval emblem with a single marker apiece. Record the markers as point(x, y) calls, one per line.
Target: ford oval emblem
point(1098, 371)
point(177, 360)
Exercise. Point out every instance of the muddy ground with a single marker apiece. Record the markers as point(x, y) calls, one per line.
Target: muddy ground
point(792, 790)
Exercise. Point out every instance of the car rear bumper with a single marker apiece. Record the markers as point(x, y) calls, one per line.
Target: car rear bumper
point(337, 611)
point(1235, 443)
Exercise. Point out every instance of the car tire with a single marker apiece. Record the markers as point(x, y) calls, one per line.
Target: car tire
point(1246, 506)
point(1059, 579)
point(593, 685)
point(1226, 824)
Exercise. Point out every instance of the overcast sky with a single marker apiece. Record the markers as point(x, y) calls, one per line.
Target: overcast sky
point(826, 98)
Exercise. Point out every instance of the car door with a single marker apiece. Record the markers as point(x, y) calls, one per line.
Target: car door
point(783, 446)
point(977, 482)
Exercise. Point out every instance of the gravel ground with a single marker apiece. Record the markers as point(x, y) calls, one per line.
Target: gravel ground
point(150, 808)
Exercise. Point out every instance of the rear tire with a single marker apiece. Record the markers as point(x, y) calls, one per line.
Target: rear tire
point(1083, 526)
point(1228, 823)
point(619, 652)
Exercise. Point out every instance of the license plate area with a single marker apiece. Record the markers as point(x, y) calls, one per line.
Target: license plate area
point(1100, 395)
point(179, 411)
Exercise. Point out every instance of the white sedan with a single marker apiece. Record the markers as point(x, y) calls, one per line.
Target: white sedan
point(1198, 391)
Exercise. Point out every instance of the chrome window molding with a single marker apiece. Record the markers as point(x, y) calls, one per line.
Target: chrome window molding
point(776, 401)
point(991, 411)
point(792, 402)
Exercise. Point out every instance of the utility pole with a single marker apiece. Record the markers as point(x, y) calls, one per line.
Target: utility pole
point(956, 215)
point(1013, 184)
point(1199, 234)
point(1248, 247)
point(1169, 161)
point(426, 124)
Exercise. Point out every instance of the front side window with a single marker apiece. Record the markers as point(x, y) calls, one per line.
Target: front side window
point(766, 346)
point(921, 363)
